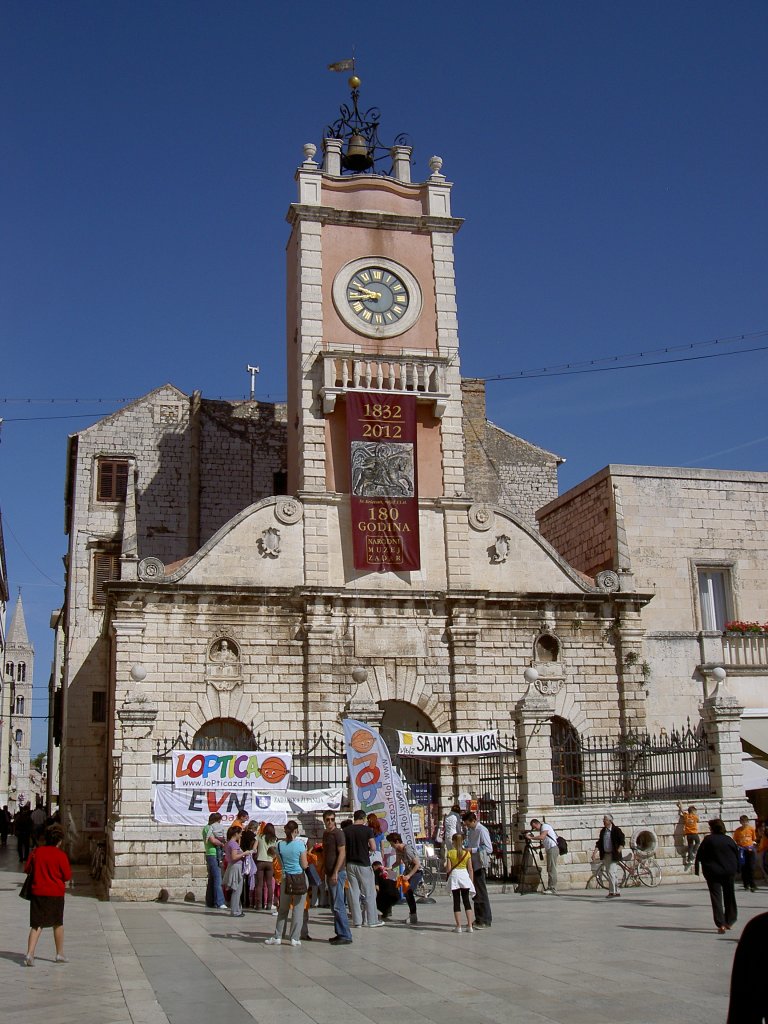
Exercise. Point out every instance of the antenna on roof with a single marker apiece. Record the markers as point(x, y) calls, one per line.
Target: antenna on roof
point(253, 370)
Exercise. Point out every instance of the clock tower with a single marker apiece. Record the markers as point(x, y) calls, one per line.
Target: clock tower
point(372, 310)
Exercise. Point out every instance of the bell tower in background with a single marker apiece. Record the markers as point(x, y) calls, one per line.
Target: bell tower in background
point(371, 307)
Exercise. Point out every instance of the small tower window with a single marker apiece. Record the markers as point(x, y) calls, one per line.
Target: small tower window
point(21, 672)
point(112, 479)
point(9, 669)
point(99, 706)
point(19, 705)
point(19, 737)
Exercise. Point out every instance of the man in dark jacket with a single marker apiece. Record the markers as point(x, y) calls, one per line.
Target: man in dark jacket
point(718, 857)
point(610, 846)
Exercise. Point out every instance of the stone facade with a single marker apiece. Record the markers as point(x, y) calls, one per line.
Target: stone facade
point(674, 523)
point(178, 545)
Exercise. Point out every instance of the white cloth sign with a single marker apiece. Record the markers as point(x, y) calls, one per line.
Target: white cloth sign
point(193, 807)
point(231, 769)
point(376, 786)
point(448, 744)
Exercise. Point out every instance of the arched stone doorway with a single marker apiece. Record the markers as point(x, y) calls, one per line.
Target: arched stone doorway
point(421, 775)
point(567, 774)
point(224, 734)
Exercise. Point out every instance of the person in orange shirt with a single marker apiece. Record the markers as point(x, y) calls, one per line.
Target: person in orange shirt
point(745, 838)
point(690, 822)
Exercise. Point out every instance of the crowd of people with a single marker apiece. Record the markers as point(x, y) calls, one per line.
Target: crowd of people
point(249, 864)
point(250, 867)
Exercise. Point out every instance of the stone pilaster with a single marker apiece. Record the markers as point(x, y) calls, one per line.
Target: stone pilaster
point(721, 717)
point(322, 698)
point(533, 728)
point(463, 633)
point(629, 667)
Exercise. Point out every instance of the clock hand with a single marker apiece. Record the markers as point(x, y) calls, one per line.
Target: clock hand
point(365, 294)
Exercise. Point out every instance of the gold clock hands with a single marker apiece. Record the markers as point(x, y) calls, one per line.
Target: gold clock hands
point(365, 293)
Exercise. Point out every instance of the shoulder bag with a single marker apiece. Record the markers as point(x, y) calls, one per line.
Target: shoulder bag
point(26, 889)
point(294, 885)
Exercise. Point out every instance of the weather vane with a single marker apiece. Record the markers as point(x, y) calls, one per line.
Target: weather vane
point(360, 130)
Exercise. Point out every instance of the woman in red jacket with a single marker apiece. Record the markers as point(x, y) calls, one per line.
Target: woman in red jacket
point(50, 873)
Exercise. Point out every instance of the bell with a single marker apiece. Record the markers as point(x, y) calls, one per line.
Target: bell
point(357, 157)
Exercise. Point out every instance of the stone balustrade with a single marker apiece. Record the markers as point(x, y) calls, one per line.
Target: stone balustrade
point(423, 376)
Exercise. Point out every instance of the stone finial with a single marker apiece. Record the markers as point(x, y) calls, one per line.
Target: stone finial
point(435, 164)
point(309, 152)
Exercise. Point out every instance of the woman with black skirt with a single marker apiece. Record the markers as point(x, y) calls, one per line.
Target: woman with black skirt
point(50, 870)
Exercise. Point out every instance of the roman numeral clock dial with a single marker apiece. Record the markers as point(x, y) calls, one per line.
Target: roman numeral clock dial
point(377, 297)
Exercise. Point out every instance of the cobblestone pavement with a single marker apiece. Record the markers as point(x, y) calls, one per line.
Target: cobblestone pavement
point(651, 956)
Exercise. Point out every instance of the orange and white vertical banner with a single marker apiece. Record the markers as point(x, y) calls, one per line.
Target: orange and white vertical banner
point(384, 493)
point(376, 786)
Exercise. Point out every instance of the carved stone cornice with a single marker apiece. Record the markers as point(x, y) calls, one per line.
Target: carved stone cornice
point(298, 212)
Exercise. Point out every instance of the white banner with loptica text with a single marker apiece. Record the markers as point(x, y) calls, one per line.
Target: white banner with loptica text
point(193, 807)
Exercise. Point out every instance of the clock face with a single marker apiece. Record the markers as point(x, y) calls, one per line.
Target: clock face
point(378, 297)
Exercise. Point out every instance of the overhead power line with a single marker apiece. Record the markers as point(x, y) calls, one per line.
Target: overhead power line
point(596, 365)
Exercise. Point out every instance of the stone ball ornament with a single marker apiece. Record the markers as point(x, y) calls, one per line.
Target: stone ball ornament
point(138, 673)
point(360, 674)
point(531, 676)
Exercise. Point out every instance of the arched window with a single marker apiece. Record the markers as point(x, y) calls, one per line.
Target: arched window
point(224, 734)
point(547, 648)
point(19, 705)
point(19, 737)
point(567, 774)
point(9, 669)
point(21, 672)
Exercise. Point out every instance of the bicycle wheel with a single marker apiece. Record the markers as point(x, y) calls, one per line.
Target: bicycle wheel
point(601, 876)
point(649, 873)
point(428, 884)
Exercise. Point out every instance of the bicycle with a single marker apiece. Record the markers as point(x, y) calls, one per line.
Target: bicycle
point(98, 858)
point(639, 869)
point(430, 866)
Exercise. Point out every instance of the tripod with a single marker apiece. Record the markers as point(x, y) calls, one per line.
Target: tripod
point(530, 869)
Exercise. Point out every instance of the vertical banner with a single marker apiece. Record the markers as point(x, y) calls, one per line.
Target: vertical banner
point(376, 786)
point(381, 429)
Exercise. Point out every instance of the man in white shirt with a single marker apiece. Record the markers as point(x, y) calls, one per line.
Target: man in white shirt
point(548, 838)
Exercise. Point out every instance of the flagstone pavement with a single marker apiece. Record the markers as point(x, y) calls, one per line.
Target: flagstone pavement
point(651, 956)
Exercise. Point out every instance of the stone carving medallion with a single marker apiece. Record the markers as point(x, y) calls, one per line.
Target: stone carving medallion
point(288, 511)
point(150, 568)
point(608, 580)
point(223, 670)
point(481, 517)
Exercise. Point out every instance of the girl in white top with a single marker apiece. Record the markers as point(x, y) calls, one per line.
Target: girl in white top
point(460, 877)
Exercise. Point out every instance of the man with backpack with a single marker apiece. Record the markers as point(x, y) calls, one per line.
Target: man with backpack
point(550, 844)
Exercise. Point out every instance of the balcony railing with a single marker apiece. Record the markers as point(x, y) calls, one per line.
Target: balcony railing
point(423, 376)
point(746, 650)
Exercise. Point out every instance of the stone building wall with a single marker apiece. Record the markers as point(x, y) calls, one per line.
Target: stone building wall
point(580, 525)
point(500, 468)
point(197, 464)
point(675, 522)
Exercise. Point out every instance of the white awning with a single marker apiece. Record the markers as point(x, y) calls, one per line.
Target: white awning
point(755, 772)
point(754, 731)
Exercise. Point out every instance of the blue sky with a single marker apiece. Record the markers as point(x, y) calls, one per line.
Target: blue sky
point(609, 159)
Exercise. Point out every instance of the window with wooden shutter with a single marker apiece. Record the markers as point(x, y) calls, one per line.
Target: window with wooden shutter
point(106, 567)
point(112, 479)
